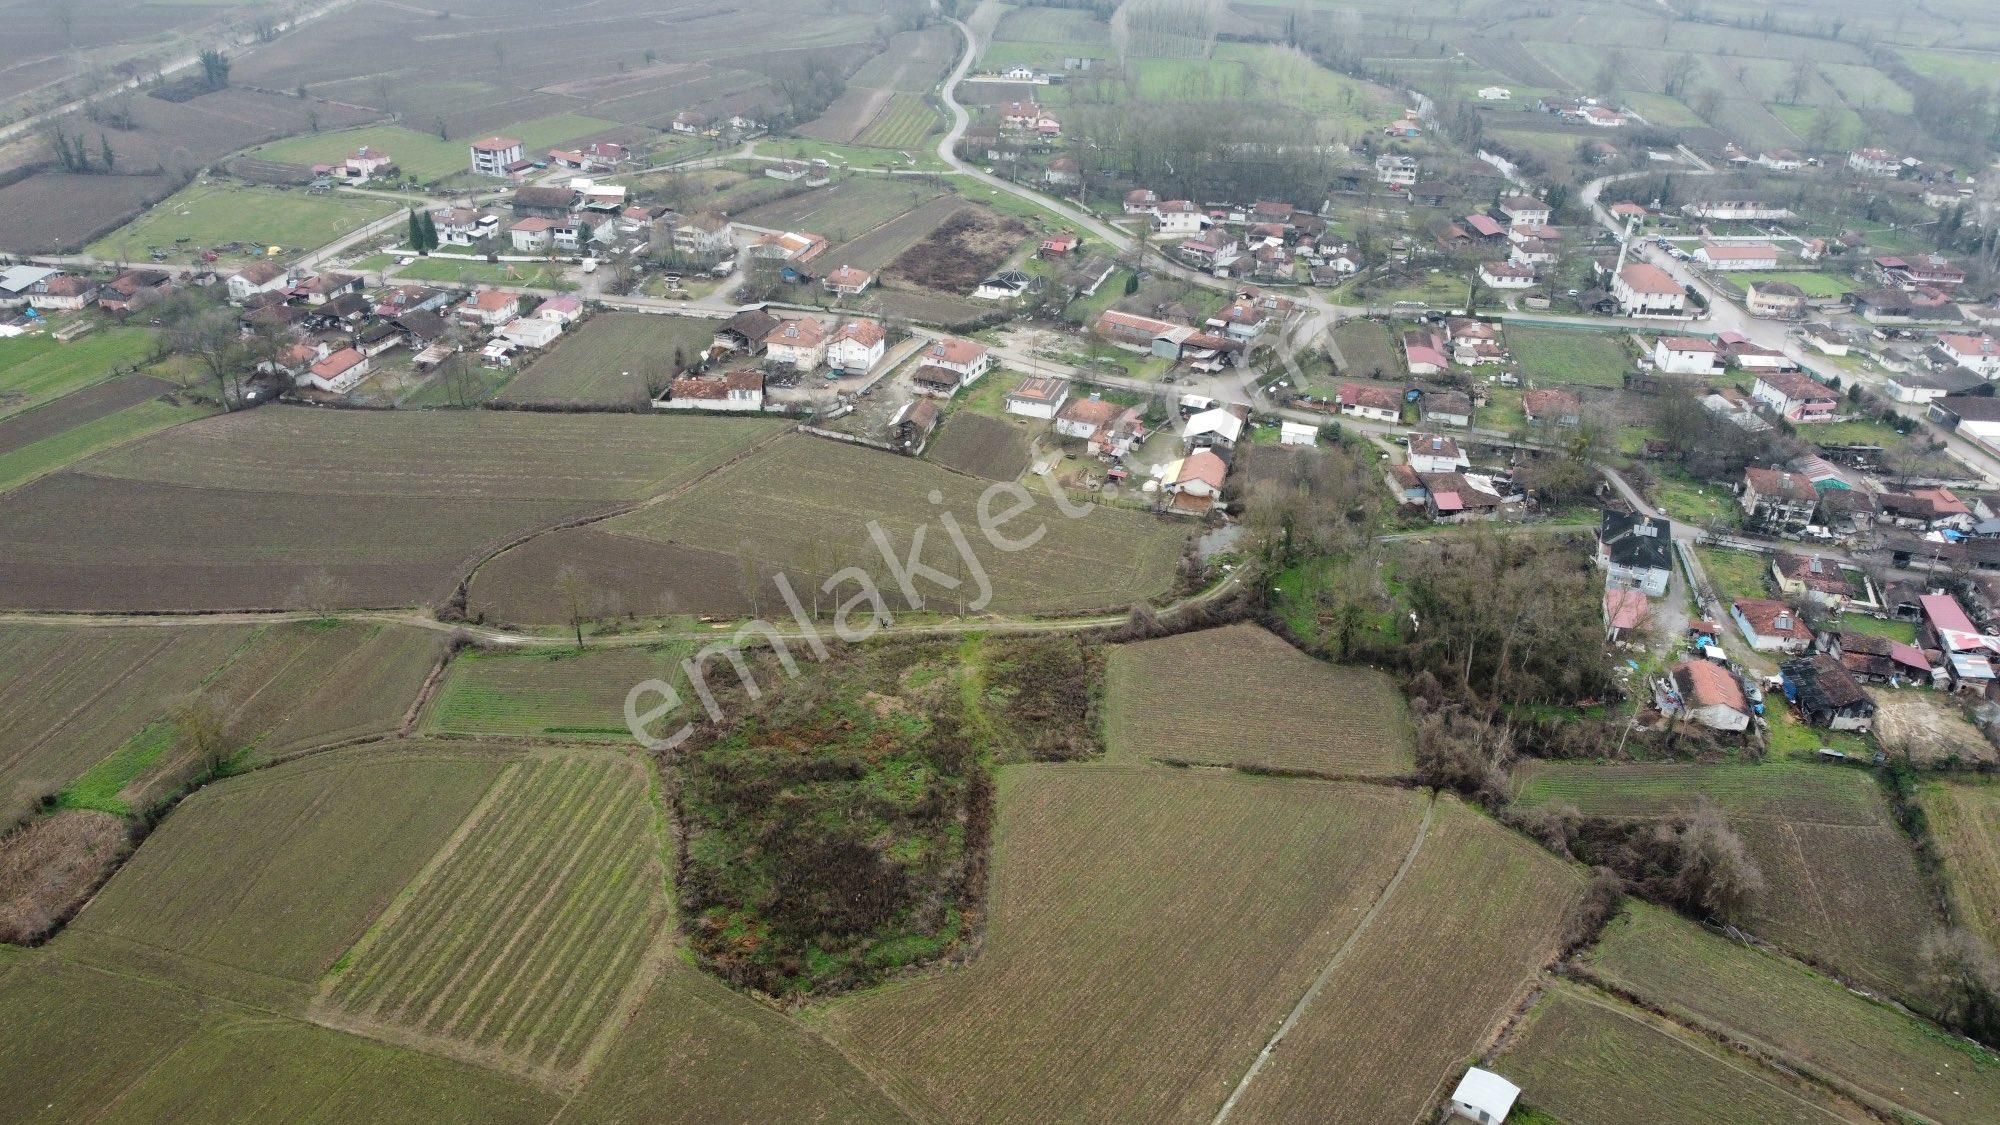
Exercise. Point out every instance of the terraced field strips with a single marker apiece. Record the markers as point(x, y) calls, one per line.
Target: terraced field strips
point(520, 943)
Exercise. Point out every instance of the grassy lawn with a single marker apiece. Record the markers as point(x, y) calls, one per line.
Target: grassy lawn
point(1734, 574)
point(525, 274)
point(989, 395)
point(421, 155)
point(1502, 410)
point(483, 383)
point(1854, 433)
point(1370, 350)
point(1813, 282)
point(217, 214)
point(1904, 631)
point(1688, 500)
point(1792, 738)
point(1556, 356)
point(1441, 290)
point(923, 156)
point(38, 369)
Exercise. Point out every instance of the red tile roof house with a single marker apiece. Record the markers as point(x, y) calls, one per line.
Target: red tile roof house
point(1506, 275)
point(1426, 353)
point(1812, 577)
point(1644, 289)
point(1198, 485)
point(1485, 226)
point(1795, 397)
point(969, 359)
point(848, 281)
point(340, 372)
point(490, 307)
point(1082, 417)
point(1778, 502)
point(1378, 404)
point(1705, 692)
point(1770, 626)
point(741, 390)
point(1737, 255)
point(1625, 612)
point(1433, 453)
point(1552, 405)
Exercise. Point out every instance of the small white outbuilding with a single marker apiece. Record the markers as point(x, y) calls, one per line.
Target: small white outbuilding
point(1484, 1096)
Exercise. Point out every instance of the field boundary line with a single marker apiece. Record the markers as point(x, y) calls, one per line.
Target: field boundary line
point(401, 903)
point(1326, 973)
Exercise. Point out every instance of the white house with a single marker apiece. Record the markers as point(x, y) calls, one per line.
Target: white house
point(490, 157)
point(1875, 162)
point(1737, 255)
point(704, 235)
point(1644, 289)
point(1738, 211)
point(255, 278)
point(969, 359)
point(1506, 275)
point(533, 235)
point(1484, 1096)
point(1770, 626)
point(1526, 210)
point(1038, 396)
point(1705, 692)
point(1297, 433)
point(1686, 355)
point(340, 372)
point(1795, 397)
point(1375, 403)
point(800, 343)
point(1195, 482)
point(490, 308)
point(1495, 94)
point(1214, 427)
point(741, 390)
point(1434, 453)
point(1179, 216)
point(1978, 354)
point(1636, 552)
point(531, 332)
point(1397, 171)
point(856, 347)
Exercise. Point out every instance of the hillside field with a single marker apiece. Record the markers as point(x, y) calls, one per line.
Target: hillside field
point(1310, 717)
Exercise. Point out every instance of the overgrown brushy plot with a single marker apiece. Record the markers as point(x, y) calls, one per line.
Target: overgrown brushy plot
point(523, 941)
point(992, 448)
point(255, 885)
point(804, 505)
point(1261, 703)
point(50, 865)
point(80, 1044)
point(1149, 930)
point(281, 507)
point(568, 695)
point(695, 1052)
point(1965, 822)
point(39, 369)
point(608, 360)
point(71, 696)
point(1431, 977)
point(1809, 1022)
point(1841, 880)
point(1592, 1060)
point(1553, 355)
point(836, 832)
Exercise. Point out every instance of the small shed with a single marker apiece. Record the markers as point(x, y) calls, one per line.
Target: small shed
point(1484, 1096)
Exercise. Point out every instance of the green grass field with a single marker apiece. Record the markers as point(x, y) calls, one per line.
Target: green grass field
point(1904, 631)
point(1702, 504)
point(1370, 350)
point(525, 939)
point(575, 696)
point(845, 210)
point(421, 155)
point(1815, 283)
point(20, 466)
point(1735, 574)
point(1965, 822)
point(216, 214)
point(1549, 356)
point(1841, 880)
point(466, 271)
point(40, 369)
point(1809, 1021)
point(1589, 1058)
point(608, 359)
point(1317, 718)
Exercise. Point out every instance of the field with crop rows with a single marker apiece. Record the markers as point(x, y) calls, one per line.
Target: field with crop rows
point(70, 697)
point(80, 1043)
point(1592, 1060)
point(607, 360)
point(1310, 716)
point(576, 696)
point(1965, 822)
point(873, 248)
point(524, 941)
point(39, 369)
point(76, 410)
point(992, 448)
point(1842, 884)
point(1429, 979)
point(1117, 967)
point(903, 123)
point(60, 450)
point(283, 507)
point(845, 210)
point(806, 505)
point(254, 886)
point(322, 682)
point(1808, 1021)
